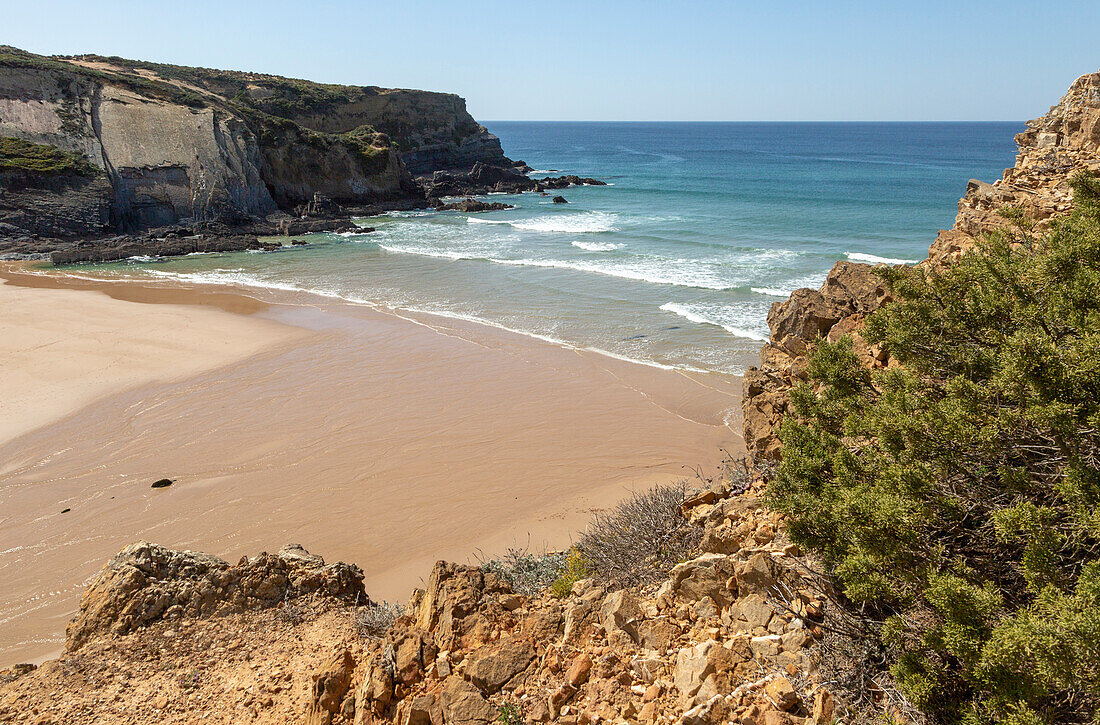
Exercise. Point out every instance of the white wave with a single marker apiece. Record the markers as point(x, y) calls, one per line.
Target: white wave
point(657, 271)
point(771, 291)
point(352, 234)
point(143, 258)
point(597, 246)
point(583, 223)
point(478, 220)
point(428, 252)
point(546, 338)
point(873, 259)
point(708, 315)
point(679, 272)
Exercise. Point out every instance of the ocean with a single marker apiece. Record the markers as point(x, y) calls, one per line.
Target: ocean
point(676, 262)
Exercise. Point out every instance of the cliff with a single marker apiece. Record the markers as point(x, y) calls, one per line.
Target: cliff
point(1064, 140)
point(169, 145)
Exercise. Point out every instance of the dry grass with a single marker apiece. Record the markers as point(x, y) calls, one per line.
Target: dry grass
point(375, 620)
point(641, 538)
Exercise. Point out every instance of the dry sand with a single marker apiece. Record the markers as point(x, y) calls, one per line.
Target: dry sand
point(389, 440)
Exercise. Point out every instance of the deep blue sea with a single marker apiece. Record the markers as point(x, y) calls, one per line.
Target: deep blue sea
point(676, 262)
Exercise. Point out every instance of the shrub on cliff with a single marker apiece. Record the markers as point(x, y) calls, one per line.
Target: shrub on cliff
point(640, 538)
point(20, 154)
point(955, 497)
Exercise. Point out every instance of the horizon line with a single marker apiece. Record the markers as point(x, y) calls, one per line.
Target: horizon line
point(851, 120)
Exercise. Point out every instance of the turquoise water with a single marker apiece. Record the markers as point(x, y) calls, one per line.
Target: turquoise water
point(676, 262)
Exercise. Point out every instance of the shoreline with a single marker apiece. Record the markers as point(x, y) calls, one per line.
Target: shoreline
point(388, 439)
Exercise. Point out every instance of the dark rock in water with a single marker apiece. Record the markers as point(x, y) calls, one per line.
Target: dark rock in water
point(299, 243)
point(522, 167)
point(163, 483)
point(164, 242)
point(562, 182)
point(481, 179)
point(473, 205)
point(560, 200)
point(294, 227)
point(321, 207)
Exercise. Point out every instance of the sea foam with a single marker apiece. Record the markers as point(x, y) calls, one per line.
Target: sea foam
point(873, 259)
point(714, 315)
point(585, 223)
point(598, 246)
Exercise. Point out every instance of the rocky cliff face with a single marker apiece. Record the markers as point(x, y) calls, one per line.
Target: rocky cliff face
point(174, 145)
point(1053, 147)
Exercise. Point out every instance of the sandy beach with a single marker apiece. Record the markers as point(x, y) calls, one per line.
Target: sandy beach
point(387, 439)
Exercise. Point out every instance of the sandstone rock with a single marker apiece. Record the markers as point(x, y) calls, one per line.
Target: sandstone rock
point(558, 698)
point(329, 688)
point(619, 614)
point(578, 671)
point(693, 665)
point(704, 576)
point(492, 667)
point(758, 575)
point(449, 607)
point(145, 582)
point(462, 704)
point(782, 693)
point(824, 707)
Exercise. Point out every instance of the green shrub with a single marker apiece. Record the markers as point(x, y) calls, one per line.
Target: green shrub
point(576, 569)
point(17, 153)
point(955, 497)
point(527, 573)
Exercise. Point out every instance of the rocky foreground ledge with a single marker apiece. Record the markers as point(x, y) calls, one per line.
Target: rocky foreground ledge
point(170, 636)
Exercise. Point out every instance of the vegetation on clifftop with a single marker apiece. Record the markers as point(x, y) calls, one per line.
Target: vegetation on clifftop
point(19, 154)
point(955, 498)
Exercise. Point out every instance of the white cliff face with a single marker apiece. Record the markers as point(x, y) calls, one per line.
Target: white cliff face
point(172, 163)
point(163, 162)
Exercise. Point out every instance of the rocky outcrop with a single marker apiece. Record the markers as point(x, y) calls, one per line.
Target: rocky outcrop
point(487, 179)
point(1054, 146)
point(175, 146)
point(728, 636)
point(470, 206)
point(719, 641)
point(170, 241)
point(145, 583)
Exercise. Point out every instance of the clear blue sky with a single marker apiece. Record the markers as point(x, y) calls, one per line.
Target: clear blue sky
point(610, 60)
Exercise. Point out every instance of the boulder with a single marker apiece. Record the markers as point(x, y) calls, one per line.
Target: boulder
point(460, 703)
point(329, 688)
point(491, 667)
point(144, 583)
point(704, 576)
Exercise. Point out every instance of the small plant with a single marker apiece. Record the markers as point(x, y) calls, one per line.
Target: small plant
point(509, 714)
point(639, 539)
point(576, 568)
point(527, 573)
point(190, 679)
point(375, 620)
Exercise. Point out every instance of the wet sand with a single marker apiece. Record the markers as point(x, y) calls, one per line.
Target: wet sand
point(387, 439)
